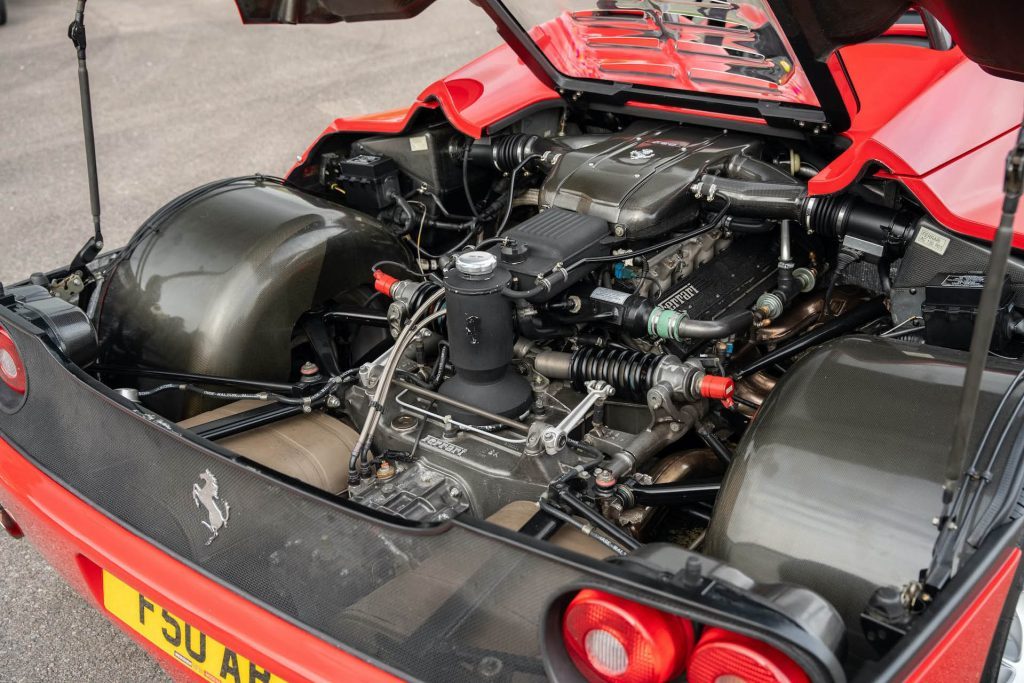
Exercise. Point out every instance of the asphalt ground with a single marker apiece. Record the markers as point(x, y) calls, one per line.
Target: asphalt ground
point(182, 94)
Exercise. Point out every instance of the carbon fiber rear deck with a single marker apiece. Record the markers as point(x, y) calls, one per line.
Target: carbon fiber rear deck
point(448, 604)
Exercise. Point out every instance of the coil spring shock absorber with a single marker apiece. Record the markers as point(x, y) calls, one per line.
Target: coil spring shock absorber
point(634, 373)
point(630, 372)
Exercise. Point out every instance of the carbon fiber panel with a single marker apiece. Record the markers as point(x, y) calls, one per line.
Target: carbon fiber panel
point(452, 605)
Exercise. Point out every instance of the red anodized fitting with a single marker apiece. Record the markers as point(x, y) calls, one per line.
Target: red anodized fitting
point(383, 282)
point(718, 388)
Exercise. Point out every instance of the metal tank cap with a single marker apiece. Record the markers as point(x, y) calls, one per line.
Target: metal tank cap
point(476, 264)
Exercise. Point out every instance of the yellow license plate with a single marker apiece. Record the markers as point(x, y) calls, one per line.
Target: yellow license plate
point(188, 645)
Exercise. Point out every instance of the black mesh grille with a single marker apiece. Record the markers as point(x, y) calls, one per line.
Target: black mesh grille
point(439, 606)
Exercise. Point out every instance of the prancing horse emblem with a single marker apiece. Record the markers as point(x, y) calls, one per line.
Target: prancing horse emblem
point(206, 496)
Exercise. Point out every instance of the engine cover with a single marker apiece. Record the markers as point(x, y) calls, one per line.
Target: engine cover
point(638, 180)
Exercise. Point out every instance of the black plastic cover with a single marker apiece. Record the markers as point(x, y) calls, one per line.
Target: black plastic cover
point(638, 180)
point(552, 237)
point(430, 157)
point(368, 181)
point(67, 325)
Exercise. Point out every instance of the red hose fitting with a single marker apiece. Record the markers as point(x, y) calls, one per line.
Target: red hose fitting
point(718, 388)
point(383, 282)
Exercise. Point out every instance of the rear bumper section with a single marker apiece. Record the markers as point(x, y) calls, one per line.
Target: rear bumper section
point(77, 540)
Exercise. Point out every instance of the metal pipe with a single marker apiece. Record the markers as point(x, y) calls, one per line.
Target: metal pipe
point(715, 444)
point(461, 425)
point(785, 251)
point(243, 422)
point(357, 460)
point(360, 316)
point(440, 398)
point(586, 529)
point(648, 442)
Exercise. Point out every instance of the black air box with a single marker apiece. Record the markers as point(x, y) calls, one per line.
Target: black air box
point(555, 236)
point(367, 180)
point(950, 306)
point(67, 325)
point(427, 156)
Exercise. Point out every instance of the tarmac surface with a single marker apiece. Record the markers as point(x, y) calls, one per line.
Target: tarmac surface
point(182, 94)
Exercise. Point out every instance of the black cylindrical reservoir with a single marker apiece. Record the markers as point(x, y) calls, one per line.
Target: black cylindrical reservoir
point(481, 334)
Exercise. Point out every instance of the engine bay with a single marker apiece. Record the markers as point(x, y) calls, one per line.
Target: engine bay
point(610, 334)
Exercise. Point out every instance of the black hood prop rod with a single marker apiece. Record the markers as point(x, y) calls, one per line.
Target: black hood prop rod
point(92, 248)
point(960, 491)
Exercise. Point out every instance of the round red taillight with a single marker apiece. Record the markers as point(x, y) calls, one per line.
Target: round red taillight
point(722, 656)
point(614, 640)
point(12, 370)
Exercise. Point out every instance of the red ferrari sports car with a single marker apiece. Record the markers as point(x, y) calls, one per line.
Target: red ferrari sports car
point(674, 340)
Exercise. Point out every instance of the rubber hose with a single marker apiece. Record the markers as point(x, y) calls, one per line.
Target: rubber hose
point(714, 329)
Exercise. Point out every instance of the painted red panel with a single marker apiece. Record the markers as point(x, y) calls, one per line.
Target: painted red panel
point(968, 192)
point(480, 94)
point(683, 51)
point(65, 529)
point(960, 655)
point(938, 123)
